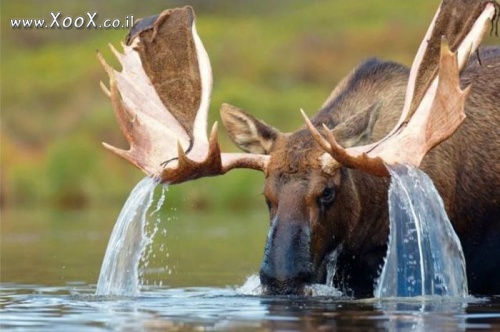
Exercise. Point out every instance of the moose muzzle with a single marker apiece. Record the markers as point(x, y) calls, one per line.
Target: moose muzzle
point(287, 266)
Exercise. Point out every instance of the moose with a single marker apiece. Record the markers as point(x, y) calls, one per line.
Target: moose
point(326, 184)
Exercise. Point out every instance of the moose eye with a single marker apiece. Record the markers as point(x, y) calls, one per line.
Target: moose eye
point(327, 196)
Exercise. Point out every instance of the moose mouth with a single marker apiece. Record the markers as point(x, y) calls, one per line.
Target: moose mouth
point(305, 284)
point(286, 288)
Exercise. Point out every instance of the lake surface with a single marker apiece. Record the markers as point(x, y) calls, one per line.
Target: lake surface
point(197, 278)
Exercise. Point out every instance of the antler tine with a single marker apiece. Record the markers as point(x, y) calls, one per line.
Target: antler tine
point(115, 52)
point(105, 89)
point(325, 145)
point(120, 152)
point(187, 169)
point(362, 161)
point(104, 64)
point(343, 156)
point(331, 140)
point(213, 141)
point(183, 161)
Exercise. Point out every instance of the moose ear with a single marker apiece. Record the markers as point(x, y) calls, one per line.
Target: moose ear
point(357, 129)
point(248, 133)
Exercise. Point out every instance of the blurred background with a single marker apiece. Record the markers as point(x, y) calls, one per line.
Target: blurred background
point(270, 57)
point(61, 191)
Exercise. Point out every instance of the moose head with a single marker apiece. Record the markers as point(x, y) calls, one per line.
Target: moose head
point(326, 183)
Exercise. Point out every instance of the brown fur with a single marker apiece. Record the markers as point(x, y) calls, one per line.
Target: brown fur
point(362, 109)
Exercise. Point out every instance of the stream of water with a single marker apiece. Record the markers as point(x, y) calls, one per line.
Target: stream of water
point(424, 255)
point(120, 273)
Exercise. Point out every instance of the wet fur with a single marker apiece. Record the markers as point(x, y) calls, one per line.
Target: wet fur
point(465, 170)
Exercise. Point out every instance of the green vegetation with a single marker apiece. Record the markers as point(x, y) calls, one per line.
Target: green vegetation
point(270, 57)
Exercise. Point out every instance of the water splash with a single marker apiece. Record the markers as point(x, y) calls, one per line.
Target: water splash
point(424, 255)
point(253, 287)
point(120, 273)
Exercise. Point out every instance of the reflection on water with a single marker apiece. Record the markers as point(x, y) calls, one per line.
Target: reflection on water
point(75, 307)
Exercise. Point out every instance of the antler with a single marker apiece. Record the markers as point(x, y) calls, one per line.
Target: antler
point(161, 100)
point(434, 103)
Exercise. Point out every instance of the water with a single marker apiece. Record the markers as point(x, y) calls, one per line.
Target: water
point(76, 308)
point(129, 239)
point(50, 262)
point(425, 257)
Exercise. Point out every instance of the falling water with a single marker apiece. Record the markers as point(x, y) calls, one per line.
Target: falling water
point(120, 268)
point(424, 254)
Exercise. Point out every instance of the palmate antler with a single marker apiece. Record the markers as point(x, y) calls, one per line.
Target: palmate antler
point(161, 100)
point(434, 103)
